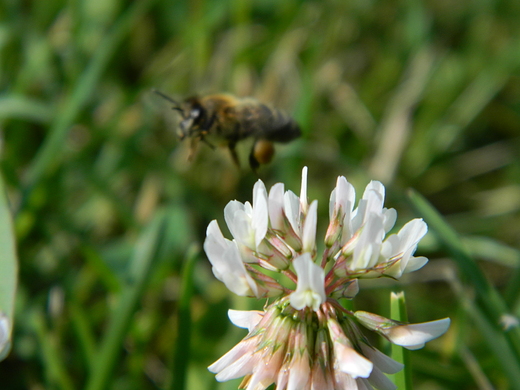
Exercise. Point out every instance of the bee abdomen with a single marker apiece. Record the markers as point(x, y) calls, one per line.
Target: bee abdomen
point(283, 131)
point(276, 126)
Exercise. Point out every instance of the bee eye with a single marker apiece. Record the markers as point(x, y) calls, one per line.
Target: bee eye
point(194, 113)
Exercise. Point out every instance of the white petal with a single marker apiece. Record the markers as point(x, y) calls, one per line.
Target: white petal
point(215, 244)
point(309, 228)
point(378, 188)
point(5, 335)
point(371, 203)
point(304, 205)
point(363, 384)
point(245, 318)
point(236, 278)
point(368, 247)
point(228, 267)
point(390, 216)
point(413, 336)
point(411, 233)
point(380, 381)
point(291, 206)
point(383, 362)
point(276, 206)
point(238, 220)
point(415, 263)
point(260, 212)
point(310, 290)
point(390, 247)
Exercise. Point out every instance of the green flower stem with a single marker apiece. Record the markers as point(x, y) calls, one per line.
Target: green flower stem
point(145, 252)
point(403, 379)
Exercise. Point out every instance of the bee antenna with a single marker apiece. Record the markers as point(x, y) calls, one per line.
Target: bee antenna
point(166, 97)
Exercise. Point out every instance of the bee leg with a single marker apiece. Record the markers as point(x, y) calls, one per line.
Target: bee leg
point(193, 147)
point(234, 154)
point(207, 142)
point(253, 162)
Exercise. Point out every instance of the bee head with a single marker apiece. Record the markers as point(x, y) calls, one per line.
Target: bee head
point(193, 118)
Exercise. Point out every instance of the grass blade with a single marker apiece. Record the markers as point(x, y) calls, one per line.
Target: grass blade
point(182, 346)
point(142, 262)
point(494, 309)
point(48, 154)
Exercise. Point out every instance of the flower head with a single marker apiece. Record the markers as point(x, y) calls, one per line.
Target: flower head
point(305, 339)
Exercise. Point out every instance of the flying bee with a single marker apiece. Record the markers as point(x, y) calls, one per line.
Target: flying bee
point(224, 120)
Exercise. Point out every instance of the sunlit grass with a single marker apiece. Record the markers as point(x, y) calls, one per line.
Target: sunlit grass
point(413, 94)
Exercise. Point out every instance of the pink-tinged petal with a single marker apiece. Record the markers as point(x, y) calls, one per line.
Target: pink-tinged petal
point(351, 362)
point(381, 361)
point(239, 368)
point(266, 372)
point(260, 217)
point(276, 206)
point(320, 379)
point(310, 290)
point(413, 336)
point(299, 373)
point(380, 381)
point(344, 381)
point(309, 228)
point(245, 318)
point(244, 347)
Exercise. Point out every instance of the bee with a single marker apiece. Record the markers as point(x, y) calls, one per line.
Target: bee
point(225, 120)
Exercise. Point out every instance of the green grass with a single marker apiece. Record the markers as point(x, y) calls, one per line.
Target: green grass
point(109, 217)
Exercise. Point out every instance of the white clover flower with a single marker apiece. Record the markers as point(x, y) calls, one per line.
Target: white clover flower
point(305, 339)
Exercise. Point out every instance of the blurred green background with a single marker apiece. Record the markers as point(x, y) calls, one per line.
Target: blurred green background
point(114, 290)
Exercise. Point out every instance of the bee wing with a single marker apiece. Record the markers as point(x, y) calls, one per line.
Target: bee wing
point(261, 121)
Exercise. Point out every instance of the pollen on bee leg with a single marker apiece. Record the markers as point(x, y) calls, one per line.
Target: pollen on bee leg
point(263, 151)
